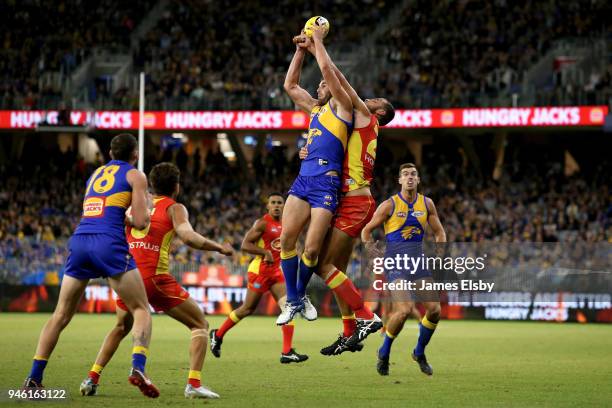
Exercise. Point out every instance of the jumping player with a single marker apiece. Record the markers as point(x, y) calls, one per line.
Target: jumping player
point(98, 249)
point(150, 247)
point(264, 274)
point(314, 193)
point(354, 212)
point(405, 216)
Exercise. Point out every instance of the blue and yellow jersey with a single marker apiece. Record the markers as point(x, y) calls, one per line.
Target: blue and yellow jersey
point(327, 139)
point(107, 195)
point(407, 220)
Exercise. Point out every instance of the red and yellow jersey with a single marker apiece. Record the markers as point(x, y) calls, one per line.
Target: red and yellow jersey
point(358, 168)
point(270, 240)
point(150, 246)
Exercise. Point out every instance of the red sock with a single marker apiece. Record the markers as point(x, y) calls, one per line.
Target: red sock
point(342, 286)
point(194, 378)
point(350, 325)
point(230, 322)
point(95, 377)
point(287, 336)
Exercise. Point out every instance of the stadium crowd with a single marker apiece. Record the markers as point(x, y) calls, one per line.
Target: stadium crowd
point(229, 55)
point(41, 38)
point(40, 205)
point(467, 53)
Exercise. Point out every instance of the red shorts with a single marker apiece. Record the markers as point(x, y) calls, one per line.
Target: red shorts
point(261, 282)
point(354, 213)
point(163, 292)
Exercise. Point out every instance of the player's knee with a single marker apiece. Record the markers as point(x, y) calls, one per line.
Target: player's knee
point(199, 324)
point(124, 327)
point(62, 318)
point(403, 313)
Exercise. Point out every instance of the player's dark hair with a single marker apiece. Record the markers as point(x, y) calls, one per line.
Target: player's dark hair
point(407, 166)
point(389, 113)
point(123, 146)
point(164, 177)
point(275, 193)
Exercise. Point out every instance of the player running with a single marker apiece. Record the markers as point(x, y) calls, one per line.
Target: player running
point(405, 216)
point(314, 193)
point(98, 249)
point(264, 274)
point(354, 212)
point(150, 248)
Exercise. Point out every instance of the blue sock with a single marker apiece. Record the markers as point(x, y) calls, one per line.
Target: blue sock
point(289, 266)
point(426, 330)
point(304, 275)
point(138, 361)
point(38, 367)
point(385, 350)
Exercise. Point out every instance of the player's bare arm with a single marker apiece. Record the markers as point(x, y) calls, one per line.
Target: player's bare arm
point(140, 215)
point(249, 243)
point(180, 220)
point(298, 95)
point(342, 99)
point(380, 216)
point(358, 104)
point(434, 221)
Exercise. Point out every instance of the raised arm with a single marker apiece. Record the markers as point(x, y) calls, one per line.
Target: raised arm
point(382, 214)
point(434, 221)
point(180, 221)
point(298, 95)
point(140, 215)
point(249, 243)
point(345, 106)
point(358, 104)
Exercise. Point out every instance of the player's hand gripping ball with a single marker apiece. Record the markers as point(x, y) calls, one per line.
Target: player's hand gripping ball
point(316, 21)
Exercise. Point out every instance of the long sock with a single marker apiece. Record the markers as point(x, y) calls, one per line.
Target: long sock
point(426, 330)
point(307, 268)
point(287, 330)
point(95, 372)
point(194, 378)
point(385, 349)
point(38, 367)
point(289, 266)
point(230, 322)
point(342, 286)
point(139, 357)
point(349, 324)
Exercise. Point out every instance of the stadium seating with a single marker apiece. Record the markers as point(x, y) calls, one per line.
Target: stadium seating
point(233, 55)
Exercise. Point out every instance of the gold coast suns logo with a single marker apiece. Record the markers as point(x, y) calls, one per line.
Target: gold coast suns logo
point(136, 233)
point(312, 133)
point(276, 245)
point(370, 155)
point(410, 232)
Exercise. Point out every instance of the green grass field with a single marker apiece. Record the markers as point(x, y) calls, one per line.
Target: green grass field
point(476, 364)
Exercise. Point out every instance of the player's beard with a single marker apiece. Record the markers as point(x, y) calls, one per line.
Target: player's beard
point(322, 101)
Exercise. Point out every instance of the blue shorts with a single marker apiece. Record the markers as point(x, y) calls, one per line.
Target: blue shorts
point(319, 191)
point(412, 270)
point(94, 256)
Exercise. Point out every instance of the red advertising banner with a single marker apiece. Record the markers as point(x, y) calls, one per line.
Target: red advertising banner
point(561, 116)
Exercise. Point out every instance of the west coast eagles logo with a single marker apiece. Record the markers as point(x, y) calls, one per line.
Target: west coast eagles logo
point(410, 232)
point(312, 133)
